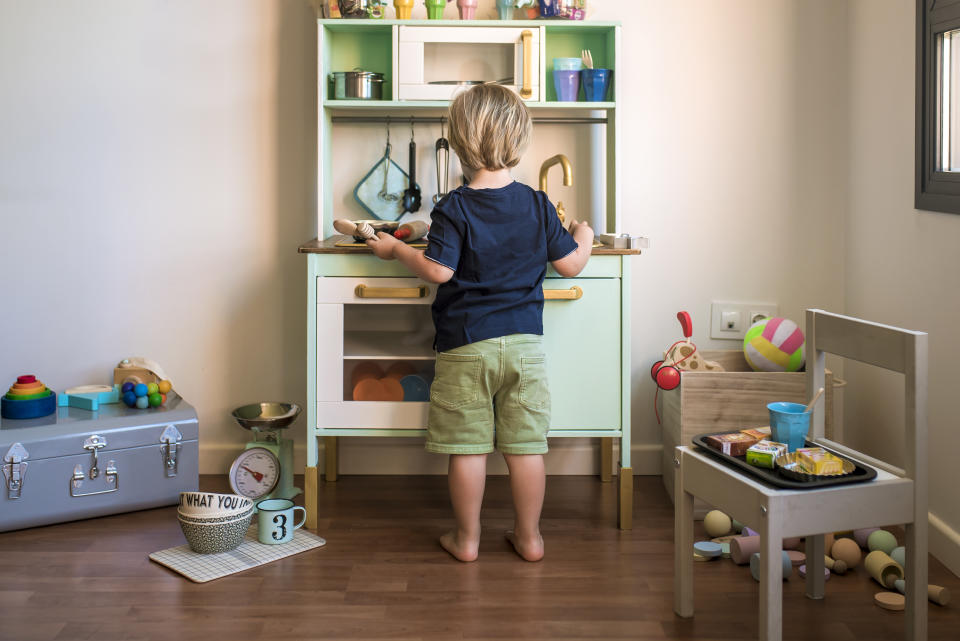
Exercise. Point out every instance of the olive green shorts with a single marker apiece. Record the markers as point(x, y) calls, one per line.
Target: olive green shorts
point(491, 393)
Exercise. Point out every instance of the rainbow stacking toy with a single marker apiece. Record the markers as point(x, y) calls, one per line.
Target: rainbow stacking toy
point(28, 398)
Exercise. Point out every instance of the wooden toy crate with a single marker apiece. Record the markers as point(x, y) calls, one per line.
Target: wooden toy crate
point(730, 400)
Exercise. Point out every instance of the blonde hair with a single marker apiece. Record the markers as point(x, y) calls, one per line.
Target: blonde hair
point(490, 127)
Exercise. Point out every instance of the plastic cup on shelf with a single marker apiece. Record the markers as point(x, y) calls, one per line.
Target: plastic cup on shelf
point(567, 84)
point(789, 423)
point(567, 64)
point(435, 9)
point(505, 9)
point(596, 82)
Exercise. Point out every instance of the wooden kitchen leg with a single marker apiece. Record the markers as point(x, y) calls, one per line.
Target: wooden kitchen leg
point(606, 459)
point(625, 499)
point(310, 497)
point(330, 457)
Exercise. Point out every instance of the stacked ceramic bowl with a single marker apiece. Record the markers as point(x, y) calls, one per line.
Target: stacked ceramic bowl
point(214, 523)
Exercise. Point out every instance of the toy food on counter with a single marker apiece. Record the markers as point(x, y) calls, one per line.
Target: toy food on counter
point(765, 453)
point(759, 433)
point(28, 398)
point(816, 460)
point(733, 443)
point(409, 232)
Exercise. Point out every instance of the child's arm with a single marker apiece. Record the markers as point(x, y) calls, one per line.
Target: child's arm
point(571, 264)
point(387, 247)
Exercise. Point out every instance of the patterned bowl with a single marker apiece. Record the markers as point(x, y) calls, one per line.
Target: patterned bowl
point(211, 504)
point(214, 538)
point(206, 520)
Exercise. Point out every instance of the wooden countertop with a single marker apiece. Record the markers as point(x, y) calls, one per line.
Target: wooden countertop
point(317, 246)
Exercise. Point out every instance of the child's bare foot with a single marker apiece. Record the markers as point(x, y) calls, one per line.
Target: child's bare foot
point(460, 547)
point(529, 549)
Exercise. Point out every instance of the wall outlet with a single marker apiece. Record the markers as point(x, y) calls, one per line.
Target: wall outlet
point(732, 320)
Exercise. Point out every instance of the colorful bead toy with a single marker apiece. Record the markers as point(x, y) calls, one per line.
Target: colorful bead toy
point(145, 395)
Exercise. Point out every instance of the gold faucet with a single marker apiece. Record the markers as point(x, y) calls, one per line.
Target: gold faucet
point(564, 163)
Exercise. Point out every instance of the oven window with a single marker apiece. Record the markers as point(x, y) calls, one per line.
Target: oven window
point(463, 61)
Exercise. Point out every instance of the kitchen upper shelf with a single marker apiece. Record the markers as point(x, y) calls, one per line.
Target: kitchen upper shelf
point(406, 105)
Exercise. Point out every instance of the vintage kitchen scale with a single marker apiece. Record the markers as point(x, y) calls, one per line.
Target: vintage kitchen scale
point(265, 468)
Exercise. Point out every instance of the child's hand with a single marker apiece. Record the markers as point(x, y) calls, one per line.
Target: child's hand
point(383, 245)
point(581, 231)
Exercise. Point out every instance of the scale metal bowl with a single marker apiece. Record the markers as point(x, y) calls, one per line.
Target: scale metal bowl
point(266, 417)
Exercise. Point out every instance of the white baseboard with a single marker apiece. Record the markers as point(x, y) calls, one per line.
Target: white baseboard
point(944, 543)
point(358, 455)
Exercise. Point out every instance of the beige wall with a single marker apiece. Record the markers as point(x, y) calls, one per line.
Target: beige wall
point(902, 263)
point(157, 172)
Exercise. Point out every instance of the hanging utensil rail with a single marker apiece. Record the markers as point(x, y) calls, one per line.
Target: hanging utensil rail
point(438, 119)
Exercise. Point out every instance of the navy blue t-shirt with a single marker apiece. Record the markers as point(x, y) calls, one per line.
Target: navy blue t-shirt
point(498, 243)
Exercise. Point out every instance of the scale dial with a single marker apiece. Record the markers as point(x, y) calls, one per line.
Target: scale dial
point(255, 473)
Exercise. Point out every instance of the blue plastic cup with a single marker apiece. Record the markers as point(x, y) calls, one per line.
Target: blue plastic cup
point(789, 424)
point(567, 84)
point(596, 83)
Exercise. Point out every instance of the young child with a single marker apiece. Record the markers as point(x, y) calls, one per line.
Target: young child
point(489, 245)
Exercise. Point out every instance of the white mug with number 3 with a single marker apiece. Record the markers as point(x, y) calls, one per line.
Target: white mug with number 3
point(275, 520)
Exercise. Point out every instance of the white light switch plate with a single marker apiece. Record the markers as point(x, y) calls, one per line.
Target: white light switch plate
point(732, 320)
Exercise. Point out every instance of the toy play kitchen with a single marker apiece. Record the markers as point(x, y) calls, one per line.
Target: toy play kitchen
point(364, 310)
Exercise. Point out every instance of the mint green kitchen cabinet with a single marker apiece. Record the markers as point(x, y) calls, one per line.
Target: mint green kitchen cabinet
point(362, 309)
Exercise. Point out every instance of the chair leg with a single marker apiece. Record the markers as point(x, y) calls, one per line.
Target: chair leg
point(916, 582)
point(682, 544)
point(771, 576)
point(815, 554)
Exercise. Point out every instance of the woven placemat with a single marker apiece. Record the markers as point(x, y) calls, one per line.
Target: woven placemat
point(201, 568)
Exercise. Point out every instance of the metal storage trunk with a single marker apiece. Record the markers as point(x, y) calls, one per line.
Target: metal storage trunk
point(76, 464)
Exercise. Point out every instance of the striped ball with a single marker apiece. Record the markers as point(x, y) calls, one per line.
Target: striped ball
point(774, 345)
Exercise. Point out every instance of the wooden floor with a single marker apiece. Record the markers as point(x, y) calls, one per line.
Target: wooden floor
point(383, 576)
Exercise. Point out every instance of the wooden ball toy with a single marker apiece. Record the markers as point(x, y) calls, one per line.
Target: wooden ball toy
point(846, 550)
point(837, 567)
point(164, 387)
point(717, 523)
point(899, 554)
point(881, 540)
point(861, 535)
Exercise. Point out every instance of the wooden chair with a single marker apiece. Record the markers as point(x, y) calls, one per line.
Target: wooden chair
point(896, 496)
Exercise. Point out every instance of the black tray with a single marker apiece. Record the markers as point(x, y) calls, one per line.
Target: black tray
point(861, 474)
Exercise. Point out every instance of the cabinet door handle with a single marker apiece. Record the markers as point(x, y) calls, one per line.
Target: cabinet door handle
point(526, 91)
point(363, 291)
point(574, 293)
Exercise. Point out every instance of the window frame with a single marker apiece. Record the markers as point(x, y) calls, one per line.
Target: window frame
point(934, 190)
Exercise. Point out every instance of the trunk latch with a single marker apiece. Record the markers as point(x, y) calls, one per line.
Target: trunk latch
point(15, 469)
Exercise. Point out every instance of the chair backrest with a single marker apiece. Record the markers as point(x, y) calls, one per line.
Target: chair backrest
point(892, 348)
